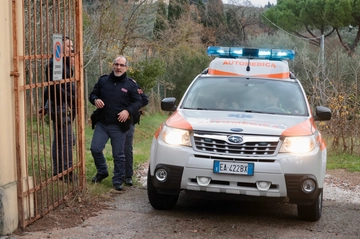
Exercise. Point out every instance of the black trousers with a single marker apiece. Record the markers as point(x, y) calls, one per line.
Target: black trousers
point(62, 147)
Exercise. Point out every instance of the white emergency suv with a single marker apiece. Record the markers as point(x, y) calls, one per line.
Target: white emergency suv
point(243, 130)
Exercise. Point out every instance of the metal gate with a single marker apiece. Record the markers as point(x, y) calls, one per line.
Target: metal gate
point(41, 188)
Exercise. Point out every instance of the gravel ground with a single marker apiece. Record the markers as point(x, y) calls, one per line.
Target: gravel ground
point(130, 216)
point(341, 188)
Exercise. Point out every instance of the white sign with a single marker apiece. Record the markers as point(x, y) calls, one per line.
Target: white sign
point(57, 57)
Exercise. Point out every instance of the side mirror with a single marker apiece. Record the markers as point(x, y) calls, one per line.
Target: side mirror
point(168, 104)
point(322, 113)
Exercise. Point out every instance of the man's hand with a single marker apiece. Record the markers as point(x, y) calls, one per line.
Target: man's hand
point(123, 116)
point(99, 103)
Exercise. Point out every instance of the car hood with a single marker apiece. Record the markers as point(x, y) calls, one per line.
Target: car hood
point(246, 123)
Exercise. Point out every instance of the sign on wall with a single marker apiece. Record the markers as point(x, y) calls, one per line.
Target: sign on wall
point(57, 57)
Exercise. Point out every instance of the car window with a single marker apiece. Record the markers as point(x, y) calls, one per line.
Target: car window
point(241, 94)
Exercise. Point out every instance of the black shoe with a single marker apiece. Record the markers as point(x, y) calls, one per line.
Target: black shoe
point(99, 177)
point(118, 187)
point(128, 181)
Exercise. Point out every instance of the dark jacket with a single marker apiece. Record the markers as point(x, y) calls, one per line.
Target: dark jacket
point(60, 95)
point(117, 93)
point(144, 102)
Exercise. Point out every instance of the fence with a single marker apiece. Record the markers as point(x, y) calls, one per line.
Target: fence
point(46, 174)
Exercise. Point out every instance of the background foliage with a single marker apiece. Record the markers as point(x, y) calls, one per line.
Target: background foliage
point(166, 44)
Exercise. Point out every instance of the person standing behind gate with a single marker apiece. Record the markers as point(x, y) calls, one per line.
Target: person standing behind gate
point(130, 137)
point(117, 100)
point(59, 102)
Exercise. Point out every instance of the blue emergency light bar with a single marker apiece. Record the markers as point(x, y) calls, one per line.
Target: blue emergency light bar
point(260, 53)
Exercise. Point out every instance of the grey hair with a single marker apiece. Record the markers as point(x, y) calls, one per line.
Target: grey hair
point(126, 61)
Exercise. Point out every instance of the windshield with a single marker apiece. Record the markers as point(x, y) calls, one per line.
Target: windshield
point(247, 95)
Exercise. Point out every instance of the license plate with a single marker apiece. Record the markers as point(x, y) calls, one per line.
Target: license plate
point(234, 168)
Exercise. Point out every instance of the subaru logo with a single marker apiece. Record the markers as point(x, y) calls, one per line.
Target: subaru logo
point(235, 139)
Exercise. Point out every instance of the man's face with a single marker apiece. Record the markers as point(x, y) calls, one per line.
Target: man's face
point(68, 48)
point(119, 66)
point(271, 99)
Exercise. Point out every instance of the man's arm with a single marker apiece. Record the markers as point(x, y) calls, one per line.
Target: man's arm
point(136, 101)
point(94, 95)
point(144, 98)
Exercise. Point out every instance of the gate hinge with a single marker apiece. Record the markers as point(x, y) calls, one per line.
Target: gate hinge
point(13, 73)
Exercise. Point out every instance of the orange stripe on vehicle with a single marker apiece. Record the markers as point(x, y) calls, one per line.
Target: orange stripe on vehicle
point(322, 142)
point(282, 75)
point(157, 133)
point(221, 73)
point(176, 120)
point(306, 127)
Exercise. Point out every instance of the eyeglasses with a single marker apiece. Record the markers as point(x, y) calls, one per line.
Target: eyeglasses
point(117, 64)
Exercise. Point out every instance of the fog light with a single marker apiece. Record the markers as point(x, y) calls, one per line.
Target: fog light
point(263, 185)
point(161, 174)
point(203, 181)
point(308, 186)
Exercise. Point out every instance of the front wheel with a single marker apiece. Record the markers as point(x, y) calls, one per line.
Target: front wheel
point(158, 200)
point(313, 211)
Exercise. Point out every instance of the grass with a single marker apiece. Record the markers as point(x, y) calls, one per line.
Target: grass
point(342, 159)
point(348, 162)
point(143, 136)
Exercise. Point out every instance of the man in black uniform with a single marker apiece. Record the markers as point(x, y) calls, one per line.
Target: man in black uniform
point(117, 100)
point(59, 102)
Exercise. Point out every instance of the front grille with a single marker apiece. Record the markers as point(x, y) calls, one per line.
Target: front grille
point(218, 144)
point(236, 158)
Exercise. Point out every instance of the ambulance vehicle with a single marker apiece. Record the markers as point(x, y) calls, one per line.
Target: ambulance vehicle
point(243, 130)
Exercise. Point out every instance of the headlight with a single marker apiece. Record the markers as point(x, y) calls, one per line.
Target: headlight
point(175, 136)
point(298, 144)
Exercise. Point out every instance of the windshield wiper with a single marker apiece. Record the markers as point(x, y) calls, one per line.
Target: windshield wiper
point(188, 108)
point(260, 112)
point(253, 111)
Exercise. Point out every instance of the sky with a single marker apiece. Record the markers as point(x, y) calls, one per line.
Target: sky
point(258, 3)
point(255, 3)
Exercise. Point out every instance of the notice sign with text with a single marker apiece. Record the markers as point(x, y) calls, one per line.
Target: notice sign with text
point(57, 57)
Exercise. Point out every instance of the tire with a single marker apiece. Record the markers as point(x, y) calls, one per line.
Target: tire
point(313, 211)
point(157, 200)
